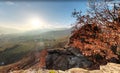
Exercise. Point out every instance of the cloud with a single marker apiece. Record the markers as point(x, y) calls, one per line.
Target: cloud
point(9, 3)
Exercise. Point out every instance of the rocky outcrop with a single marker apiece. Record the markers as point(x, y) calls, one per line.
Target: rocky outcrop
point(89, 47)
point(62, 59)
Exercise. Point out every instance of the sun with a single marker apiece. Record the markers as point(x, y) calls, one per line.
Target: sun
point(35, 23)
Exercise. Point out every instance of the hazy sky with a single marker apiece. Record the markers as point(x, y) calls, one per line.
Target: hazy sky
point(28, 15)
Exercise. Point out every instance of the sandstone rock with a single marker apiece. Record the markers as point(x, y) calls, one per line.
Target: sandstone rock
point(109, 68)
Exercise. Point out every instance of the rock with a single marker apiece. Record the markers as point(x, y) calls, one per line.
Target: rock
point(75, 51)
point(66, 59)
point(109, 68)
point(77, 70)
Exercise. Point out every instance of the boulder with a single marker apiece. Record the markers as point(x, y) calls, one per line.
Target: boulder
point(66, 59)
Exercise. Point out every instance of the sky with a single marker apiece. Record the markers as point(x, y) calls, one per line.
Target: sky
point(32, 15)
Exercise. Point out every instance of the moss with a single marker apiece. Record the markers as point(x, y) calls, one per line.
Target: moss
point(52, 71)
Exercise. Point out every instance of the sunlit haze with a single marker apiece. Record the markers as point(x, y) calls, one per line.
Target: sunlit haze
point(24, 16)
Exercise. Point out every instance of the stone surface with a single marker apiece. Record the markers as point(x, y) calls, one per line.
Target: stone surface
point(109, 68)
point(66, 59)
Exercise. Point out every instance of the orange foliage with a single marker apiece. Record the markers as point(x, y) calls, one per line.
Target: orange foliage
point(93, 40)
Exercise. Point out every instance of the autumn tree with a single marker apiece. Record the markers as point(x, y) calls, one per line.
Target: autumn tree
point(97, 34)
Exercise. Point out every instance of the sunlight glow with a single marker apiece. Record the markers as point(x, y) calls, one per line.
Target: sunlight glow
point(35, 23)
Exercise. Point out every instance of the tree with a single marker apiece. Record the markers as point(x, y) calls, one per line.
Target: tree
point(98, 38)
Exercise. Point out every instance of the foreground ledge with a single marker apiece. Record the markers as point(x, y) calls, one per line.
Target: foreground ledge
point(109, 68)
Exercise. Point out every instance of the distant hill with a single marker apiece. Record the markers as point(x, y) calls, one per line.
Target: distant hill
point(36, 35)
point(10, 34)
point(56, 33)
point(6, 30)
point(43, 31)
point(47, 34)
